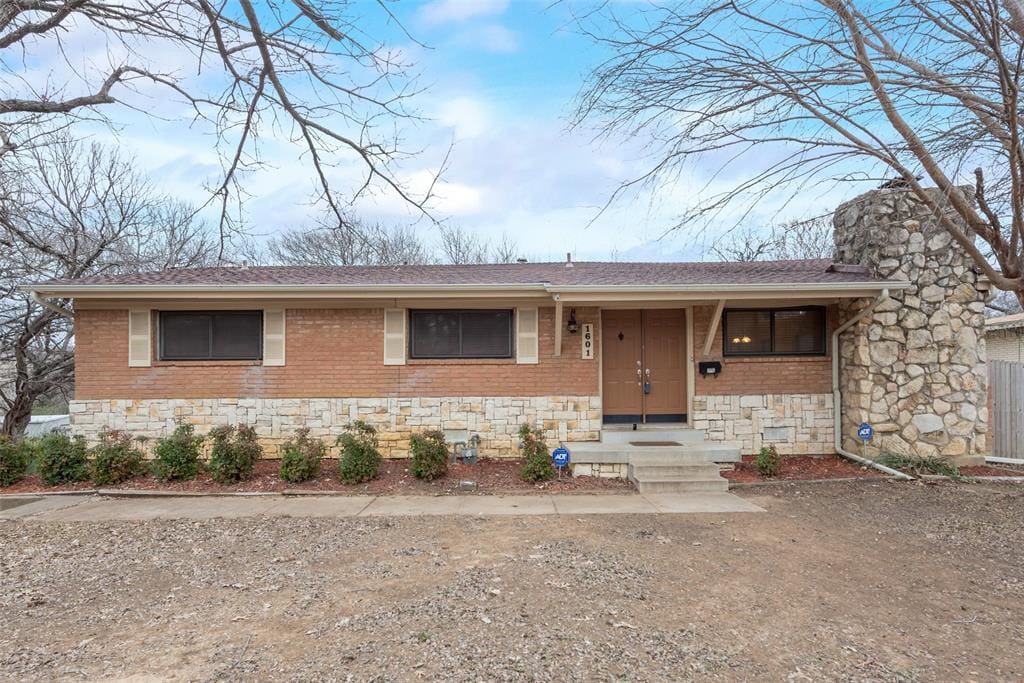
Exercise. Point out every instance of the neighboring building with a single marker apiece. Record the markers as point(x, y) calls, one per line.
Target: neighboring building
point(1004, 338)
point(39, 425)
point(741, 351)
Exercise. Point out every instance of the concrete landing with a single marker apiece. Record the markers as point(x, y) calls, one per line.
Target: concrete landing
point(100, 509)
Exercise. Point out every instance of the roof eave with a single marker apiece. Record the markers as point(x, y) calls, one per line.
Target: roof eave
point(565, 292)
point(282, 291)
point(802, 290)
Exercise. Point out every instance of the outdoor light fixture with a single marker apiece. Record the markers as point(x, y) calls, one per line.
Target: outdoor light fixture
point(572, 326)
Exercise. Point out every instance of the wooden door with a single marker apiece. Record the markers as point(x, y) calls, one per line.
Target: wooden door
point(621, 357)
point(664, 356)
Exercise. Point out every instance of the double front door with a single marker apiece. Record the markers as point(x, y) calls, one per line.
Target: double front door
point(644, 365)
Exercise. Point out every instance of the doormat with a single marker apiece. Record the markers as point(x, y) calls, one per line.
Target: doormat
point(655, 443)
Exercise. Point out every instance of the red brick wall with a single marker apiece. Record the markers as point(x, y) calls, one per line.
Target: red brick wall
point(761, 375)
point(330, 353)
point(339, 352)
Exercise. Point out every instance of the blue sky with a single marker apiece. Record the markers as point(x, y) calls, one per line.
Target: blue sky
point(500, 78)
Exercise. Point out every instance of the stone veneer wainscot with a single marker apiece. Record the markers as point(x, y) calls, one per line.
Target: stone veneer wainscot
point(796, 424)
point(495, 419)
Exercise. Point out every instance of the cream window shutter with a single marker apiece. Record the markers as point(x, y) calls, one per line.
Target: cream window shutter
point(273, 336)
point(527, 346)
point(394, 336)
point(140, 338)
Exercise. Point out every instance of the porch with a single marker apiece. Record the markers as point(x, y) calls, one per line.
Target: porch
point(657, 458)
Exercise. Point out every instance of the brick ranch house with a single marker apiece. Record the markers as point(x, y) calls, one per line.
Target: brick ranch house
point(1004, 338)
point(739, 354)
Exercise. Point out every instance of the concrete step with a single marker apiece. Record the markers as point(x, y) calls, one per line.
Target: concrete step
point(624, 434)
point(599, 452)
point(668, 456)
point(677, 486)
point(716, 452)
point(687, 472)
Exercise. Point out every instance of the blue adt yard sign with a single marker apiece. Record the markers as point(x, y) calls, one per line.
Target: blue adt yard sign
point(560, 456)
point(865, 432)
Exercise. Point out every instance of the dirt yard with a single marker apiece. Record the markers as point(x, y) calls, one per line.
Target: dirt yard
point(868, 580)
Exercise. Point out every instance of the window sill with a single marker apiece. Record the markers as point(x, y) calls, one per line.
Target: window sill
point(460, 361)
point(205, 363)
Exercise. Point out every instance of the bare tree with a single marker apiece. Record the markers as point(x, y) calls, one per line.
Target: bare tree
point(458, 245)
point(805, 239)
point(461, 246)
point(68, 210)
point(745, 245)
point(505, 250)
point(358, 244)
point(792, 240)
point(783, 96)
point(305, 70)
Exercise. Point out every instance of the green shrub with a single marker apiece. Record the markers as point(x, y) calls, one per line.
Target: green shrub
point(918, 465)
point(360, 459)
point(301, 456)
point(537, 465)
point(178, 456)
point(768, 462)
point(115, 458)
point(60, 459)
point(15, 457)
point(429, 455)
point(234, 453)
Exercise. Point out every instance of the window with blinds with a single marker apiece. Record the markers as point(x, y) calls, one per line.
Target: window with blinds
point(774, 332)
point(215, 335)
point(460, 334)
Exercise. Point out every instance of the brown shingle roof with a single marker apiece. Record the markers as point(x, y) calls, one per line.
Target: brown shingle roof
point(552, 274)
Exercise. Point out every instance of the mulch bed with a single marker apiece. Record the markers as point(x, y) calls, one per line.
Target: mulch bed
point(993, 470)
point(797, 467)
point(492, 477)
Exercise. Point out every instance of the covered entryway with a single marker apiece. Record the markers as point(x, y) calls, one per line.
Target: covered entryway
point(644, 365)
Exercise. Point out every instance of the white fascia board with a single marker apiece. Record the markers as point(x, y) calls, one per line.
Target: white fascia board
point(543, 290)
point(583, 293)
point(285, 291)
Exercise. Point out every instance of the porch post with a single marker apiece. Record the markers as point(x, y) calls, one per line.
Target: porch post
point(713, 326)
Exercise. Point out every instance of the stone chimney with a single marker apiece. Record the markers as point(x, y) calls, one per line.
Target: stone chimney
point(915, 368)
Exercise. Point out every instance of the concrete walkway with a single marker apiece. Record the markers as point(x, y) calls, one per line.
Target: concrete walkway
point(99, 508)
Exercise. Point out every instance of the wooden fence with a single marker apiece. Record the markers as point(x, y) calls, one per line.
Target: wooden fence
point(1006, 382)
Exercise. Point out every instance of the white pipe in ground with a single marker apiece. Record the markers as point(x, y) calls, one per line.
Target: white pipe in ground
point(837, 398)
point(1004, 461)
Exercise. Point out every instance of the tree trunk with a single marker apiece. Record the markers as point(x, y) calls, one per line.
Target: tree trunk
point(17, 416)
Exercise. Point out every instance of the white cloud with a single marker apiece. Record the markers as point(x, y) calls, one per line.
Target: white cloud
point(455, 11)
point(450, 198)
point(468, 116)
point(489, 38)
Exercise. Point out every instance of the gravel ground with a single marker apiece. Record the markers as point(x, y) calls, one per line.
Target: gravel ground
point(869, 580)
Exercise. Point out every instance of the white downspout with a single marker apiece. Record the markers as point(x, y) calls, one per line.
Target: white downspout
point(837, 396)
point(34, 295)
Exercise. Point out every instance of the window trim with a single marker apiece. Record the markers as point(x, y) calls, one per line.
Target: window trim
point(206, 359)
point(771, 332)
point(411, 318)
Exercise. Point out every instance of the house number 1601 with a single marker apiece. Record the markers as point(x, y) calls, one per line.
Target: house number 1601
point(588, 341)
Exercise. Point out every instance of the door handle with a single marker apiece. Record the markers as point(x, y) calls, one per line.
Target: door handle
point(647, 380)
point(639, 374)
